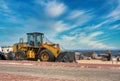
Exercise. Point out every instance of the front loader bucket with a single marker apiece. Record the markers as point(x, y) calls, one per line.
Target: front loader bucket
point(66, 57)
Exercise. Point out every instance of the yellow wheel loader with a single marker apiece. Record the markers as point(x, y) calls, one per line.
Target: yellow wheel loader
point(37, 47)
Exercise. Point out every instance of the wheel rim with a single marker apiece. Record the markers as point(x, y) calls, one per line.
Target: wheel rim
point(18, 56)
point(45, 56)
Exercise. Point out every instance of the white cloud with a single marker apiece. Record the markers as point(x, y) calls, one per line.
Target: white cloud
point(84, 41)
point(53, 8)
point(76, 31)
point(83, 19)
point(80, 17)
point(102, 23)
point(68, 38)
point(114, 27)
point(4, 6)
point(90, 41)
point(97, 25)
point(98, 45)
point(94, 34)
point(76, 14)
point(116, 12)
point(104, 39)
point(60, 26)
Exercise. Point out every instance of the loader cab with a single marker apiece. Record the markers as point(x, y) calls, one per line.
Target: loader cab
point(34, 39)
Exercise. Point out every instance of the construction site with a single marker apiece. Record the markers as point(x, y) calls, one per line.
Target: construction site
point(40, 60)
point(59, 40)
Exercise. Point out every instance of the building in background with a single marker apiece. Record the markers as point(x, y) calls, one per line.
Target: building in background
point(6, 49)
point(0, 49)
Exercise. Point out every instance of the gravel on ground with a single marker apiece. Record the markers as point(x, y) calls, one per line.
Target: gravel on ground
point(52, 71)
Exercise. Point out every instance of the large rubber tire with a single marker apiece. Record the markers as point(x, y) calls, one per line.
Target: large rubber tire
point(20, 55)
point(46, 52)
point(2, 56)
point(11, 55)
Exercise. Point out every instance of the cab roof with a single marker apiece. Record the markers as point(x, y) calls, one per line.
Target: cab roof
point(35, 33)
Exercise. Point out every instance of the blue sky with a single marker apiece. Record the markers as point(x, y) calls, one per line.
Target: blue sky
point(74, 24)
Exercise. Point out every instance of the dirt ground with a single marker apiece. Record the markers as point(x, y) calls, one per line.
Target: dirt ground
point(47, 71)
point(97, 62)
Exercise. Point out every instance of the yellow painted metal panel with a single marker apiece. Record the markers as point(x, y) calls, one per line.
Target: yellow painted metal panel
point(30, 54)
point(54, 49)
